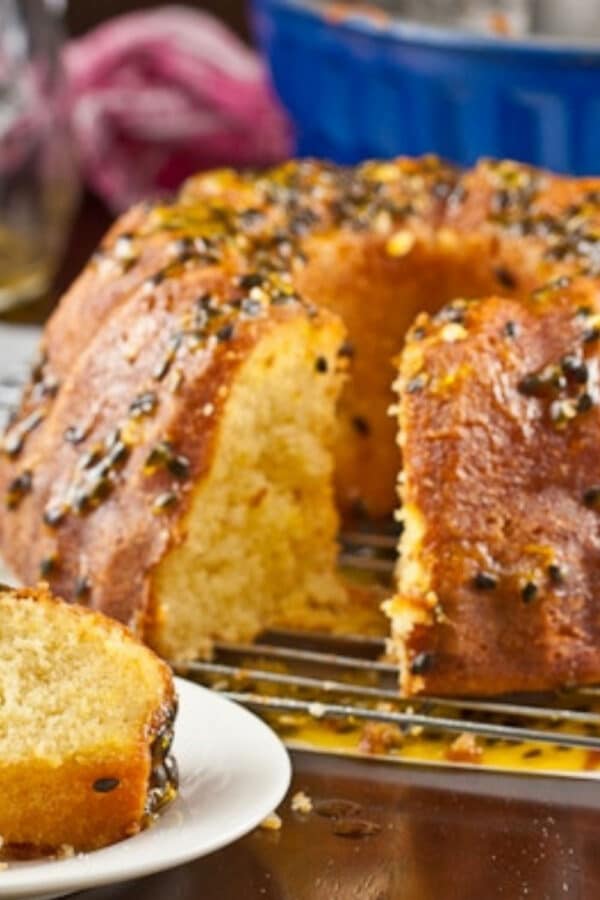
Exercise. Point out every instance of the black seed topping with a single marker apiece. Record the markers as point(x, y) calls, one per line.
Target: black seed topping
point(100, 489)
point(505, 277)
point(346, 349)
point(529, 592)
point(17, 489)
point(225, 333)
point(321, 365)
point(303, 221)
point(200, 321)
point(531, 385)
point(415, 384)
point(251, 280)
point(361, 425)
point(422, 663)
point(207, 304)
point(179, 466)
point(575, 368)
point(54, 515)
point(558, 284)
point(112, 438)
point(82, 588)
point(48, 387)
point(511, 329)
point(48, 565)
point(417, 334)
point(15, 440)
point(251, 217)
point(90, 458)
point(143, 405)
point(118, 454)
point(183, 248)
point(38, 366)
point(561, 283)
point(591, 497)
point(164, 501)
point(451, 314)
point(251, 307)
point(584, 402)
point(555, 574)
point(105, 785)
point(162, 369)
point(160, 454)
point(501, 201)
point(74, 434)
point(483, 581)
point(591, 335)
point(155, 280)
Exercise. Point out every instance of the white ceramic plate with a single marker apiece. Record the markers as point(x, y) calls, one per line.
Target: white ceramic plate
point(233, 772)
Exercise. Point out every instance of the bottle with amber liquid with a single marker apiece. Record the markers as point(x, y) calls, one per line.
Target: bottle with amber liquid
point(38, 172)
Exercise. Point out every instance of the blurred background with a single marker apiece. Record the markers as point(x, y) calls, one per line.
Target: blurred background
point(103, 104)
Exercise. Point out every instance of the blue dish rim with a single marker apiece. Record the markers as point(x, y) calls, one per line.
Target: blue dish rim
point(457, 39)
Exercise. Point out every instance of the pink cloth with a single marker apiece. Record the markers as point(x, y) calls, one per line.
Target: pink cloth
point(159, 95)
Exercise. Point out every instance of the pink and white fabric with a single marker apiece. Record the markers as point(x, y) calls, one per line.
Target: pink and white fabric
point(156, 96)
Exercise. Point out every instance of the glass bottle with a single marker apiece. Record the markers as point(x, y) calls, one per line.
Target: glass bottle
point(38, 174)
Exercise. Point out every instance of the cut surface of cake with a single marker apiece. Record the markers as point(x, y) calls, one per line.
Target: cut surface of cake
point(499, 570)
point(86, 723)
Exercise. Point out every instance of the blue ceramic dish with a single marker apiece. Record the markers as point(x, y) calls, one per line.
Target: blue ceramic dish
point(356, 89)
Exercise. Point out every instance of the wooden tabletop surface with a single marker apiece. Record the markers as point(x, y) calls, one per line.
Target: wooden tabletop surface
point(443, 835)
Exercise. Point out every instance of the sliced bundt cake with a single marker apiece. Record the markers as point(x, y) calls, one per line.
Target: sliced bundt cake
point(172, 460)
point(86, 722)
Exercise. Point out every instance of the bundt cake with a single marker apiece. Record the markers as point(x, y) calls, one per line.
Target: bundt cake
point(172, 458)
point(86, 722)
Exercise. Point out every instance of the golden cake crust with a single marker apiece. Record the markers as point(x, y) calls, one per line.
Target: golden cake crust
point(501, 554)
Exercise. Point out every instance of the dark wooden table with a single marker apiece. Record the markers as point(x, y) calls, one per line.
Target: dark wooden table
point(444, 835)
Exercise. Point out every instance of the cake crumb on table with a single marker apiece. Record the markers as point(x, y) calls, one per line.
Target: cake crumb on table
point(380, 737)
point(464, 749)
point(302, 803)
point(272, 822)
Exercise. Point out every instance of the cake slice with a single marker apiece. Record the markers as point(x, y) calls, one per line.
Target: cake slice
point(86, 723)
point(499, 571)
